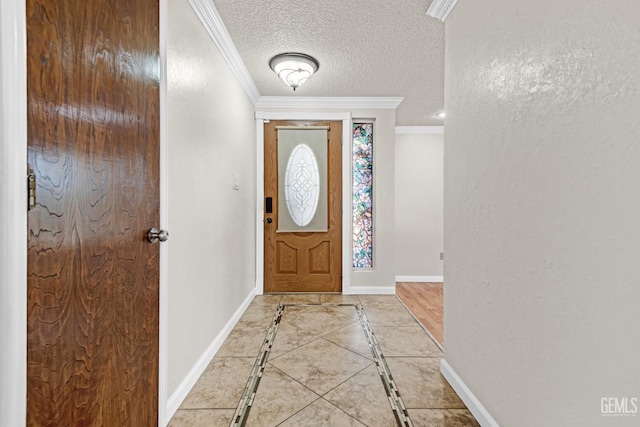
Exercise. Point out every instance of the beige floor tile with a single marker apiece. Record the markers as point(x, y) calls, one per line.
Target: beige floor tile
point(270, 300)
point(221, 384)
point(364, 398)
point(389, 315)
point(378, 299)
point(322, 320)
point(289, 338)
point(320, 365)
point(344, 310)
point(352, 338)
point(321, 414)
point(202, 418)
point(257, 316)
point(409, 341)
point(442, 418)
point(243, 342)
point(294, 309)
point(339, 299)
point(420, 383)
point(300, 299)
point(303, 367)
point(278, 397)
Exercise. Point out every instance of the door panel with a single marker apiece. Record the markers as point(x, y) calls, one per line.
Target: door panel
point(93, 146)
point(303, 261)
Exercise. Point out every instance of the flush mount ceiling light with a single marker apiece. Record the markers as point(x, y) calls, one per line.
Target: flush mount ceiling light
point(440, 115)
point(294, 69)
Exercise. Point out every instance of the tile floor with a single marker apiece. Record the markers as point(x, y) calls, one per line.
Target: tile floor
point(320, 369)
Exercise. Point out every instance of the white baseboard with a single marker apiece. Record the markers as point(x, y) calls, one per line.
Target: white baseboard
point(419, 279)
point(475, 406)
point(371, 290)
point(178, 396)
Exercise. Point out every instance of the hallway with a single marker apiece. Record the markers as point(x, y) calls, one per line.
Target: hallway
point(330, 360)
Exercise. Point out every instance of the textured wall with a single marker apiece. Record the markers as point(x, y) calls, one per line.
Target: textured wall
point(211, 138)
point(5, 334)
point(383, 272)
point(542, 202)
point(419, 187)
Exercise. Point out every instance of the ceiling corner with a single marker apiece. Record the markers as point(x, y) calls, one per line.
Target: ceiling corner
point(440, 9)
point(419, 130)
point(347, 102)
point(212, 22)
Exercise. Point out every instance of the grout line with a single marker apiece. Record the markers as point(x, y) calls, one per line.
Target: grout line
point(342, 410)
point(395, 400)
point(249, 393)
point(298, 411)
point(274, 367)
point(435, 341)
point(338, 385)
point(348, 349)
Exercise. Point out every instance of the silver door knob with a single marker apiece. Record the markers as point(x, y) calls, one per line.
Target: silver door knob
point(154, 235)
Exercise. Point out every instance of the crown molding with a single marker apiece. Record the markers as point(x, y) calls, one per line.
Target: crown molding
point(301, 115)
point(212, 22)
point(419, 130)
point(329, 102)
point(440, 9)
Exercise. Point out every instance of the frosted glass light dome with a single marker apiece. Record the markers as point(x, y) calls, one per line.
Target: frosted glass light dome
point(294, 69)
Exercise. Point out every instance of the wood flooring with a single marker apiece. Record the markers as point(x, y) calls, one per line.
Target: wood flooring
point(426, 303)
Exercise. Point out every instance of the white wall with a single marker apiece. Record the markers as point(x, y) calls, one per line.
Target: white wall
point(4, 333)
point(542, 207)
point(419, 198)
point(211, 139)
point(381, 278)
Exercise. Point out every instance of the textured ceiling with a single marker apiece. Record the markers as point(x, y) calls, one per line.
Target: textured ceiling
point(365, 48)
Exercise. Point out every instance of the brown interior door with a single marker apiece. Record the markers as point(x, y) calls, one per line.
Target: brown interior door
point(93, 146)
point(302, 258)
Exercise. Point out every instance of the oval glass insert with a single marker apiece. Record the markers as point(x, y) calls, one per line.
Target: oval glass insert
point(302, 184)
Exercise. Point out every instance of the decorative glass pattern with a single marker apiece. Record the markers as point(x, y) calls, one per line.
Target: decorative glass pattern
point(363, 195)
point(302, 185)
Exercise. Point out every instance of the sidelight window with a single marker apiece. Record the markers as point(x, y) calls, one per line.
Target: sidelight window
point(362, 195)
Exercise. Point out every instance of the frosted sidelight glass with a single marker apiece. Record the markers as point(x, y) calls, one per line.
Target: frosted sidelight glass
point(302, 180)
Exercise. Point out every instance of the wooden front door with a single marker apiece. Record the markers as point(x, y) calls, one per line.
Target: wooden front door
point(93, 149)
point(302, 255)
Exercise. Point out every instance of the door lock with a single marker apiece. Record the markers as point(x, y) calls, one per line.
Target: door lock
point(154, 235)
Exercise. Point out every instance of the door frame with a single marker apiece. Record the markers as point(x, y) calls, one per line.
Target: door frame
point(13, 215)
point(261, 118)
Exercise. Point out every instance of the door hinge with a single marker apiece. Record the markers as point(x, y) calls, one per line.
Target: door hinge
point(31, 182)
